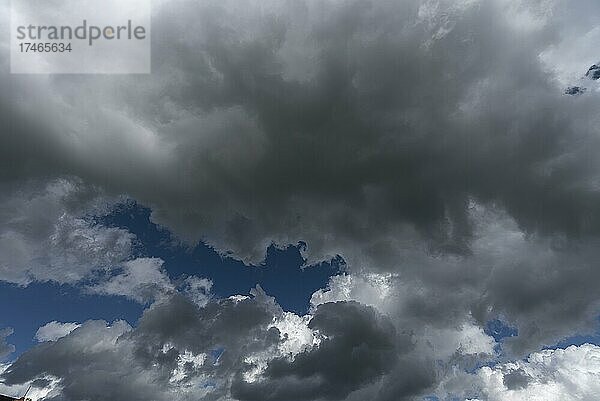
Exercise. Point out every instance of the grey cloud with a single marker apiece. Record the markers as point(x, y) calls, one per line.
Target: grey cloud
point(142, 279)
point(396, 120)
point(238, 326)
point(91, 362)
point(360, 347)
point(516, 380)
point(51, 232)
point(368, 125)
point(409, 382)
point(171, 354)
point(47, 233)
point(5, 348)
point(542, 286)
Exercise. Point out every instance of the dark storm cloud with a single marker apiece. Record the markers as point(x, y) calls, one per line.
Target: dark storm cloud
point(98, 361)
point(360, 348)
point(384, 130)
point(91, 363)
point(516, 380)
point(387, 113)
point(238, 327)
point(549, 295)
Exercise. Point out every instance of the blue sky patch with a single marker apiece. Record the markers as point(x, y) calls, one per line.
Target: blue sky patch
point(281, 275)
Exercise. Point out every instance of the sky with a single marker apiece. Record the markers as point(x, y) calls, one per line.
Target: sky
point(310, 200)
point(282, 274)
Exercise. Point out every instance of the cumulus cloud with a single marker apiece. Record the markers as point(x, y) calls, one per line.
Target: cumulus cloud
point(542, 286)
point(358, 348)
point(562, 374)
point(54, 330)
point(242, 347)
point(78, 359)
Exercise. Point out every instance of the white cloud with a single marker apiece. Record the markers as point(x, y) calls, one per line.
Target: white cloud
point(54, 330)
point(571, 374)
point(373, 289)
point(186, 362)
point(295, 334)
point(197, 289)
point(468, 339)
point(142, 280)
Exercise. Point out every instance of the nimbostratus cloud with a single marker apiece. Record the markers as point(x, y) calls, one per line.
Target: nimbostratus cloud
point(429, 143)
point(399, 114)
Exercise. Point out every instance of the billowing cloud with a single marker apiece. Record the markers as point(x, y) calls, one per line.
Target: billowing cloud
point(78, 358)
point(391, 114)
point(359, 347)
point(552, 375)
point(240, 347)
